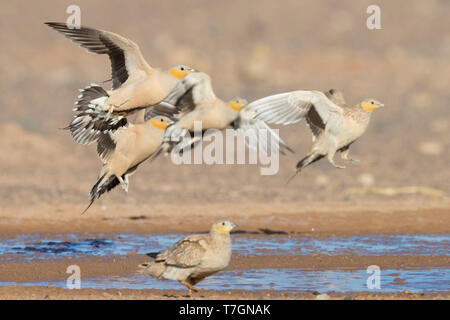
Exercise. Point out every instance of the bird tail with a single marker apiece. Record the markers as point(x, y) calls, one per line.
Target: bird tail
point(152, 268)
point(292, 177)
point(91, 120)
point(309, 159)
point(102, 185)
point(106, 184)
point(306, 161)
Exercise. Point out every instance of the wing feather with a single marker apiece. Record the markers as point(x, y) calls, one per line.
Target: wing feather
point(255, 133)
point(125, 56)
point(186, 253)
point(105, 146)
point(181, 99)
point(291, 107)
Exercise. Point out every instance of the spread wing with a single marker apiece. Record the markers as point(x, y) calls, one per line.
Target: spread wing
point(257, 134)
point(279, 109)
point(184, 97)
point(185, 253)
point(125, 56)
point(291, 107)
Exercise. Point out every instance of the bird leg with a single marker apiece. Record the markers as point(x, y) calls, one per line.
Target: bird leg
point(344, 155)
point(123, 184)
point(330, 157)
point(109, 110)
point(189, 286)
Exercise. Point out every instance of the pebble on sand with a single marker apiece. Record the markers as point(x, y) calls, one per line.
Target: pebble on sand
point(432, 148)
point(322, 180)
point(366, 179)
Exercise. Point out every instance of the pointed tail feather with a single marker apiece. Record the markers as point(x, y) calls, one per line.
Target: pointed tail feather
point(292, 177)
point(306, 161)
point(309, 159)
point(152, 268)
point(101, 186)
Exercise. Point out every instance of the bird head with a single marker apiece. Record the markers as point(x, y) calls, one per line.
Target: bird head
point(336, 96)
point(223, 227)
point(160, 122)
point(179, 72)
point(369, 105)
point(237, 103)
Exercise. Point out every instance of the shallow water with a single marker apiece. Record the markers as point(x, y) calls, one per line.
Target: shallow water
point(48, 247)
point(420, 280)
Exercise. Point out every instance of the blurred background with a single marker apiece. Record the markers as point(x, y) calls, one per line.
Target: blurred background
point(251, 49)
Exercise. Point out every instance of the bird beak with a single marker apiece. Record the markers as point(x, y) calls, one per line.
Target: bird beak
point(381, 105)
point(234, 225)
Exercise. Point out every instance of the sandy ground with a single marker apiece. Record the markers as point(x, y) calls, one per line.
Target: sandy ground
point(309, 219)
point(37, 293)
point(251, 49)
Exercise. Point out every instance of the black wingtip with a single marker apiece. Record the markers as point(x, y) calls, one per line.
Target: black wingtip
point(58, 26)
point(53, 24)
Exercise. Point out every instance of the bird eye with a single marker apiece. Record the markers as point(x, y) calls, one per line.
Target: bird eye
point(371, 102)
point(182, 69)
point(162, 120)
point(223, 223)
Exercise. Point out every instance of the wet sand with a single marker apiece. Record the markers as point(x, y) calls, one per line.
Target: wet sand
point(125, 265)
point(310, 219)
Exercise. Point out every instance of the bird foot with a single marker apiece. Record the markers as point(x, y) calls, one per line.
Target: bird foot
point(352, 160)
point(190, 287)
point(124, 187)
point(337, 165)
point(109, 110)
